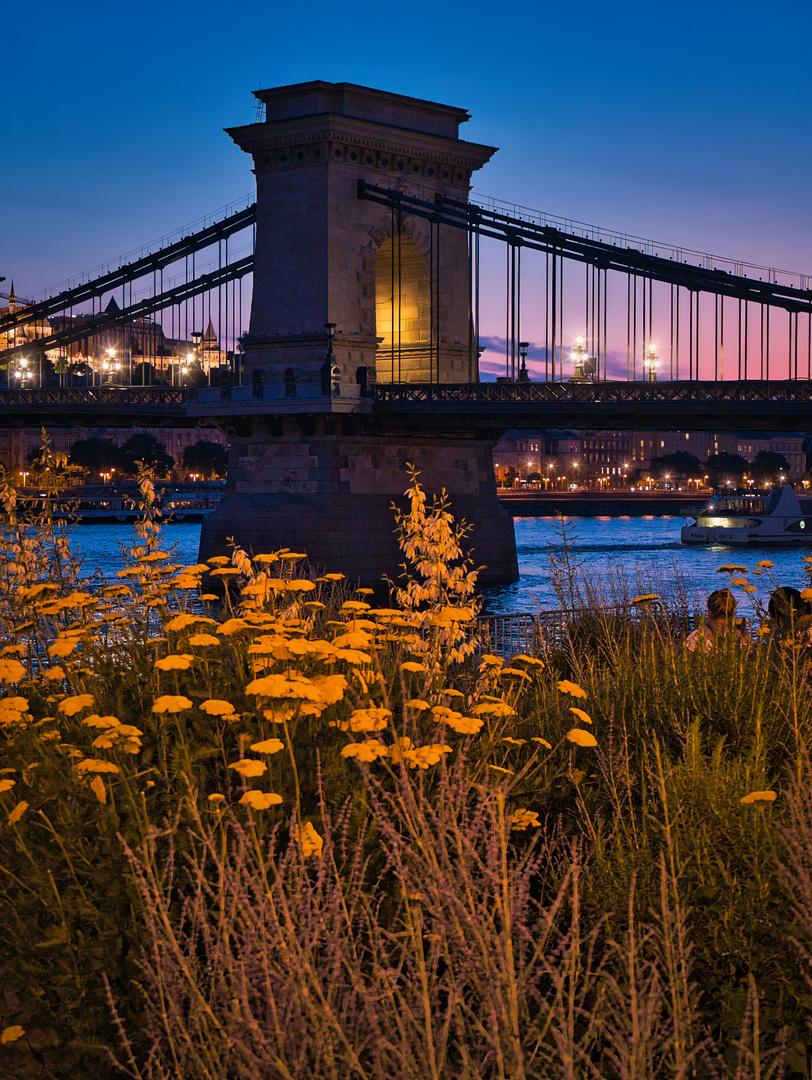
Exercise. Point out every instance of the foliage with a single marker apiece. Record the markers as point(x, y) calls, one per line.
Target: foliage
point(282, 830)
point(680, 464)
point(206, 457)
point(722, 467)
point(769, 466)
point(144, 449)
point(97, 455)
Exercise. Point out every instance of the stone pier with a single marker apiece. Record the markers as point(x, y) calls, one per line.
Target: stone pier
point(347, 294)
point(327, 489)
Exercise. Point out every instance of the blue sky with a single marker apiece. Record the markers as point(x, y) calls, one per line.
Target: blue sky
point(685, 122)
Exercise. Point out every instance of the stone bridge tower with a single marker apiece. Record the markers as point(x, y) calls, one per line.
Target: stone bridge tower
point(346, 294)
point(325, 256)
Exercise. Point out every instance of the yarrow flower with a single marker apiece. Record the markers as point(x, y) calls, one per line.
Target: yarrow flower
point(365, 751)
point(312, 843)
point(268, 746)
point(72, 705)
point(567, 687)
point(524, 819)
point(463, 725)
point(758, 796)
point(249, 767)
point(168, 703)
point(97, 765)
point(372, 719)
point(579, 714)
point(174, 662)
point(581, 737)
point(260, 800)
point(216, 707)
point(11, 670)
point(421, 757)
point(493, 708)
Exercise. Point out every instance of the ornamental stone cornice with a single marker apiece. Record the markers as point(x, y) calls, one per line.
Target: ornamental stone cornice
point(325, 138)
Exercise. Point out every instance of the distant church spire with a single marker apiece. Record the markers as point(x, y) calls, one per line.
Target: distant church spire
point(12, 298)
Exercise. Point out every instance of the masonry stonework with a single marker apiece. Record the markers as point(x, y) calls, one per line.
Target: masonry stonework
point(330, 494)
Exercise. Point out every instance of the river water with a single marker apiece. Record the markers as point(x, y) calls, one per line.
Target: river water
point(643, 554)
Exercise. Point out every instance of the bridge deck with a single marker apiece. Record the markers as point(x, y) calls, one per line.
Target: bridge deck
point(692, 406)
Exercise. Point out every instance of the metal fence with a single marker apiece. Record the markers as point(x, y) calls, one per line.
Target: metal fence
point(508, 635)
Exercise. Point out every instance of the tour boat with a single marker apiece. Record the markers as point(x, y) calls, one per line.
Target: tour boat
point(777, 518)
point(99, 505)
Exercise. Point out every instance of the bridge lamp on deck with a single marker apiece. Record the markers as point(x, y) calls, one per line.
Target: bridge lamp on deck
point(579, 357)
point(650, 363)
point(111, 364)
point(523, 347)
point(21, 371)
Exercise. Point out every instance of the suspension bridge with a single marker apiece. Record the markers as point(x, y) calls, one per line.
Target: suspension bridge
point(371, 273)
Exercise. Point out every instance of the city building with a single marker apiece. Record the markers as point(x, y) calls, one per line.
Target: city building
point(610, 458)
point(550, 455)
point(22, 371)
point(137, 352)
point(648, 445)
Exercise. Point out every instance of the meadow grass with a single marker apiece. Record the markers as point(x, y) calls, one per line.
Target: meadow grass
point(275, 829)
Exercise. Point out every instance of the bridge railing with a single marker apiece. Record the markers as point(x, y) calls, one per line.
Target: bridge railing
point(598, 391)
point(538, 634)
point(104, 396)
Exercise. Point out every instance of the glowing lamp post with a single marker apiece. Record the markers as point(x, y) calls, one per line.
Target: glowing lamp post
point(110, 365)
point(579, 358)
point(22, 372)
point(523, 347)
point(650, 363)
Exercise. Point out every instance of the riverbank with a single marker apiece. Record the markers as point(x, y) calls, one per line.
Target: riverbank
point(598, 503)
point(306, 771)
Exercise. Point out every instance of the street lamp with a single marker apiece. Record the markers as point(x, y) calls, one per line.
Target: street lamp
point(21, 372)
point(24, 475)
point(110, 364)
point(197, 336)
point(580, 355)
point(523, 347)
point(650, 363)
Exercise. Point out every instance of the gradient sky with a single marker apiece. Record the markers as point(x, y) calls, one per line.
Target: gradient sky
point(686, 123)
